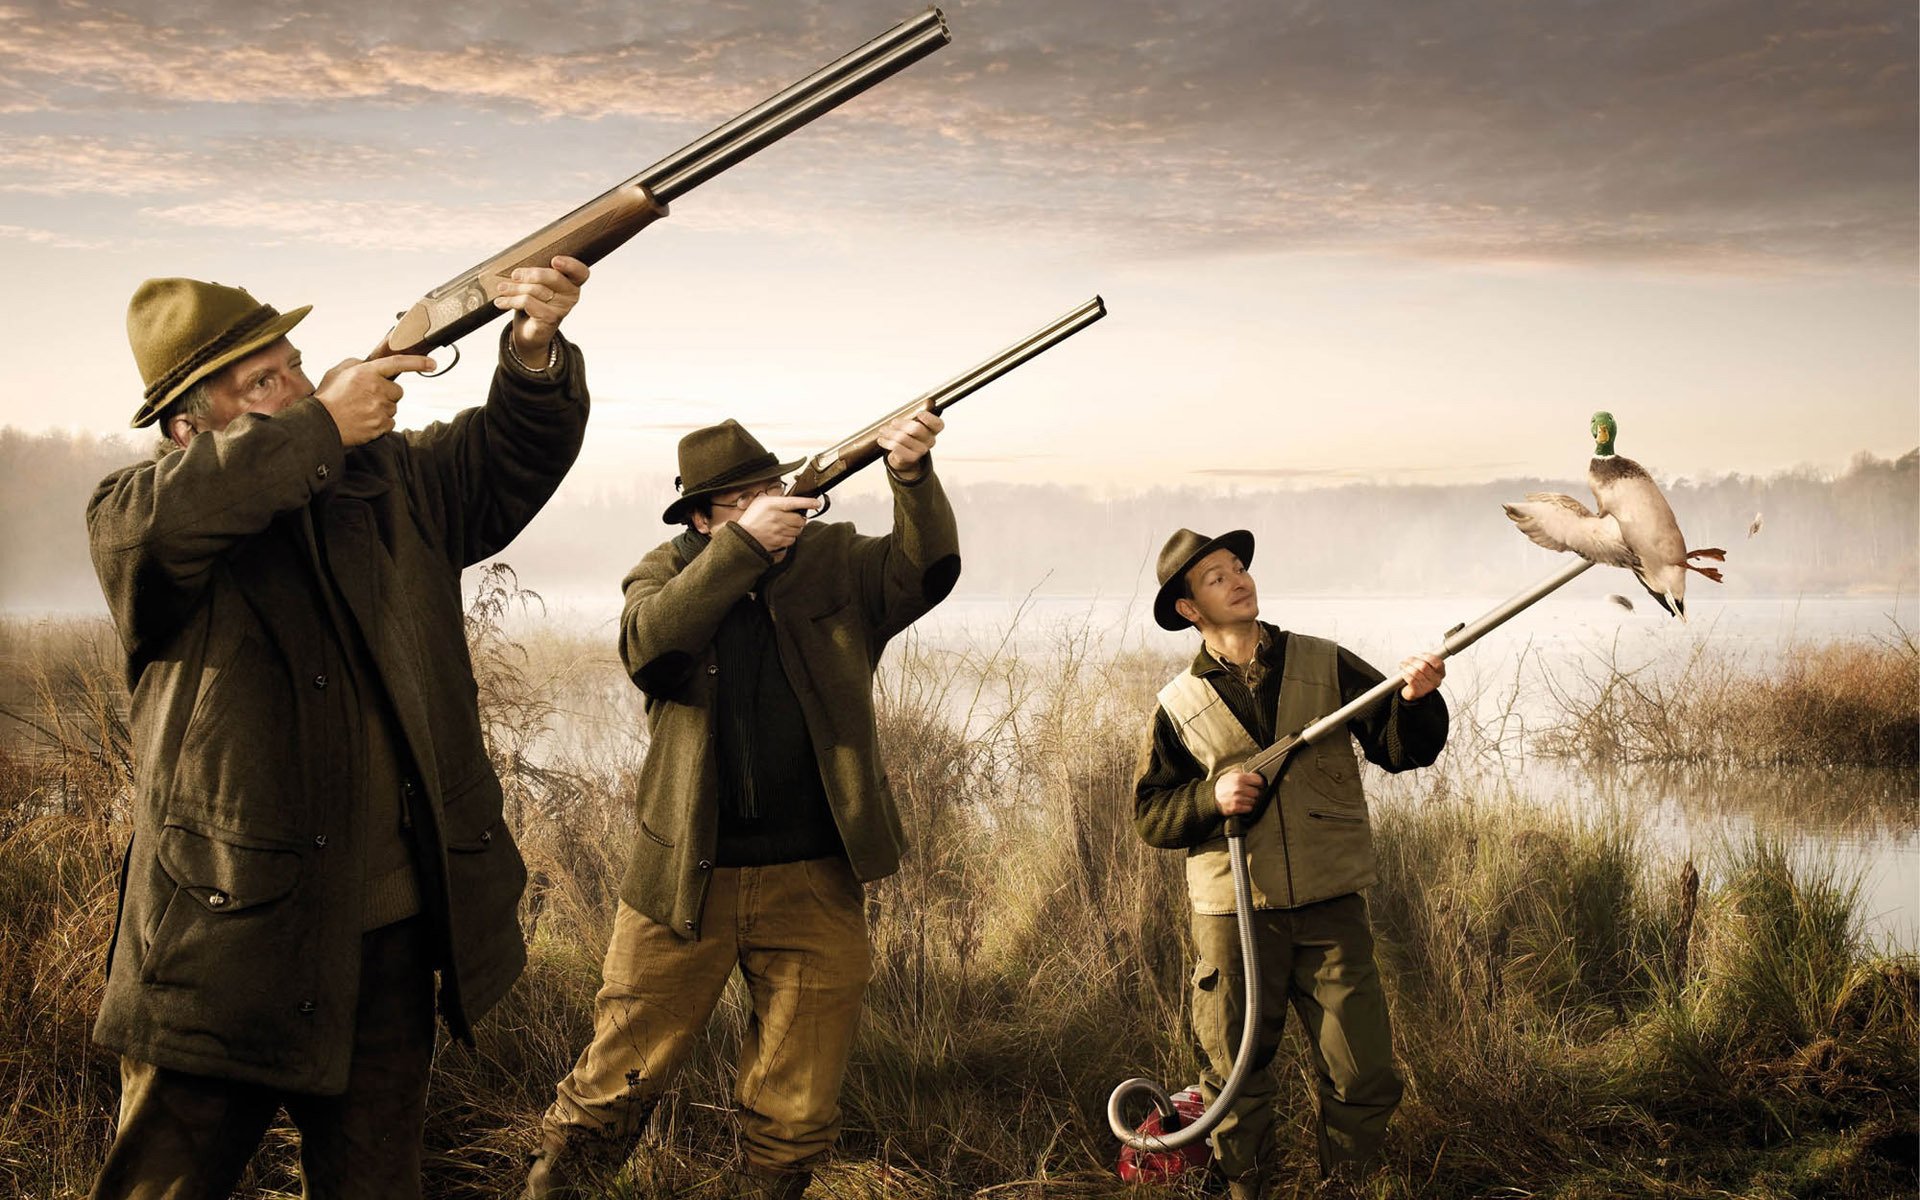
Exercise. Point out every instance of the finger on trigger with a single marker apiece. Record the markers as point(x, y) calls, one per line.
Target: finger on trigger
point(399, 364)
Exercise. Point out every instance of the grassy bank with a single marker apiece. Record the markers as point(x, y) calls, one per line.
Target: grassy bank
point(1574, 1019)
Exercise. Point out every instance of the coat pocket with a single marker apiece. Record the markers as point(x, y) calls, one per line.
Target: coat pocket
point(485, 874)
point(227, 914)
point(473, 813)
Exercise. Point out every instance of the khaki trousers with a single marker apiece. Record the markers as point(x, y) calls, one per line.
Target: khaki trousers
point(189, 1137)
point(1318, 959)
point(798, 933)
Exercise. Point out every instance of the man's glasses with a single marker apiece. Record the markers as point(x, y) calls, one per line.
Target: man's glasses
point(742, 499)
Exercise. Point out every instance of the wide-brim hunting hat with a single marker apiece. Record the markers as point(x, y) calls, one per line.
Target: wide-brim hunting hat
point(183, 330)
point(1178, 556)
point(720, 458)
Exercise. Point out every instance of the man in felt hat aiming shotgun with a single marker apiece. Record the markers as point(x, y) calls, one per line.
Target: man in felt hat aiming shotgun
point(1308, 848)
point(316, 828)
point(762, 803)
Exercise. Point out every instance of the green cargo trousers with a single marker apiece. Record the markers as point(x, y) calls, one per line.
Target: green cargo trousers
point(798, 933)
point(1318, 959)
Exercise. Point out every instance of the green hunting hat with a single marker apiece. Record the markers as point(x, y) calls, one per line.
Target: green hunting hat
point(183, 330)
point(718, 458)
point(1177, 557)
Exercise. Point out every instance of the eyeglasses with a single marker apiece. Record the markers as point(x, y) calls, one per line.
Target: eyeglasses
point(771, 488)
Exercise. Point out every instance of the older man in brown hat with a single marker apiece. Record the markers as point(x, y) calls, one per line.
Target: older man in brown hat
point(762, 804)
point(1308, 848)
point(315, 828)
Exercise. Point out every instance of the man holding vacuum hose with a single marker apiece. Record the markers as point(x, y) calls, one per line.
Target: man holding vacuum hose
point(1309, 851)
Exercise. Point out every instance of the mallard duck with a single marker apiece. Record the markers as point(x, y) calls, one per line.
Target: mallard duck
point(1634, 527)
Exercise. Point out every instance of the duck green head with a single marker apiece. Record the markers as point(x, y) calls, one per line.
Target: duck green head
point(1603, 428)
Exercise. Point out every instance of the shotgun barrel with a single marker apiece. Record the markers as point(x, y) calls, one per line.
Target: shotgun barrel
point(826, 469)
point(774, 118)
point(590, 232)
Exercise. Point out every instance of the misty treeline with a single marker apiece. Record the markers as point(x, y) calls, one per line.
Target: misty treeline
point(1855, 531)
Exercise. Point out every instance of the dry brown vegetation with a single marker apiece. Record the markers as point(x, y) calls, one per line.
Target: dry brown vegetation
point(1840, 704)
point(1573, 1020)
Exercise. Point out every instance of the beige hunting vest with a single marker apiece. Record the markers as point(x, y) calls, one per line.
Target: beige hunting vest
point(1312, 842)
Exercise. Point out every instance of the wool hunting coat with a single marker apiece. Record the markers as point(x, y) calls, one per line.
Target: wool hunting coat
point(839, 599)
point(236, 570)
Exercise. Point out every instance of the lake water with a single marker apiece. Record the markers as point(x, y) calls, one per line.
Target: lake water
point(1863, 823)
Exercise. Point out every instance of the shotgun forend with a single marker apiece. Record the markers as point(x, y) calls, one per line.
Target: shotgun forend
point(828, 468)
point(588, 233)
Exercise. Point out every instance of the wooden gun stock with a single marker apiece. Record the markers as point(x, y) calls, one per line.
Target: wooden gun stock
point(825, 470)
point(590, 232)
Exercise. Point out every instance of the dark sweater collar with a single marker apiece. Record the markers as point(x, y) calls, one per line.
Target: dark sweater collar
point(1273, 649)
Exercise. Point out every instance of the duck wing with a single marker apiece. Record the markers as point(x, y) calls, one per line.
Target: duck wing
point(1562, 523)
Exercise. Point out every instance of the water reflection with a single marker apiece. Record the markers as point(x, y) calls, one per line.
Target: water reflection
point(1862, 821)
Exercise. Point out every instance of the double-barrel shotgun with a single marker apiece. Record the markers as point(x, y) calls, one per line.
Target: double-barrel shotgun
point(829, 468)
point(588, 233)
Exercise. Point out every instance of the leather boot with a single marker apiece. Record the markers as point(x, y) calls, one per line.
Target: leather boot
point(554, 1169)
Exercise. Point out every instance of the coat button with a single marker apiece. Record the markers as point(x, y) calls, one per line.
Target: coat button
point(322, 471)
point(486, 835)
point(320, 682)
point(320, 840)
point(713, 668)
point(705, 865)
point(307, 1007)
point(217, 899)
point(687, 925)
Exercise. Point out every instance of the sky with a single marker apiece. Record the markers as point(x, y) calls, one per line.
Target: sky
point(1339, 240)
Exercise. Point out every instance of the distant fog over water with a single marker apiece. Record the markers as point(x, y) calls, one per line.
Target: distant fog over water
point(1853, 533)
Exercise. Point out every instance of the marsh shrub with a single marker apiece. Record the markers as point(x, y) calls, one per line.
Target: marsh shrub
point(1838, 704)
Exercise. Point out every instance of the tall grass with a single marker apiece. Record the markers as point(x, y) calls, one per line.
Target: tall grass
point(1831, 704)
point(1574, 1017)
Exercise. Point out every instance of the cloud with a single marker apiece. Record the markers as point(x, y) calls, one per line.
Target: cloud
point(51, 238)
point(1703, 135)
point(360, 224)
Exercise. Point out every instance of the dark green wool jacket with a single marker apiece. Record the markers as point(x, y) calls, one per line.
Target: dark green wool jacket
point(839, 599)
point(236, 570)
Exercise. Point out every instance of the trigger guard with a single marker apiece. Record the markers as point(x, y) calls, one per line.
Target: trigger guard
point(450, 366)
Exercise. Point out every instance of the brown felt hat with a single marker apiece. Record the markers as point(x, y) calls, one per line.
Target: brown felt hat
point(183, 330)
point(1177, 557)
point(717, 459)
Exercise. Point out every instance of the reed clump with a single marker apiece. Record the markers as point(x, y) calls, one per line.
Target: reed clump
point(1576, 1014)
point(1839, 704)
